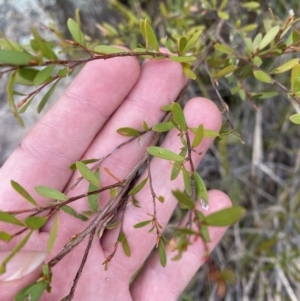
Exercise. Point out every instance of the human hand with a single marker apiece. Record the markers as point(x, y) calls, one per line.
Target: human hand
point(105, 96)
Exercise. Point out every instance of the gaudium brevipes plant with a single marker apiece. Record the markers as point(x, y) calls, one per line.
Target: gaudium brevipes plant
point(44, 63)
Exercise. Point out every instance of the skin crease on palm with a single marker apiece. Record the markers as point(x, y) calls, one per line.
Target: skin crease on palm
point(105, 96)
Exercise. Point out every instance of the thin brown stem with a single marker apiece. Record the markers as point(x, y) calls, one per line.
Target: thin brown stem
point(79, 272)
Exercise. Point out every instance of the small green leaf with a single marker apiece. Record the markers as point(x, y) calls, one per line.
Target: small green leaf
point(93, 199)
point(262, 76)
point(75, 31)
point(53, 234)
point(199, 135)
point(35, 222)
point(200, 188)
point(170, 46)
point(87, 173)
point(186, 68)
point(257, 40)
point(223, 48)
point(182, 59)
point(163, 153)
point(43, 75)
point(105, 49)
point(87, 161)
point(224, 217)
point(167, 108)
point(42, 46)
point(223, 15)
point(249, 27)
point(32, 292)
point(184, 201)
point(249, 45)
point(9, 218)
point(71, 211)
point(4, 236)
point(191, 42)
point(125, 245)
point(185, 231)
point(63, 72)
point(187, 181)
point(269, 37)
point(161, 199)
point(251, 5)
point(227, 70)
point(182, 43)
point(50, 193)
point(26, 105)
point(47, 96)
point(205, 233)
point(127, 131)
point(145, 126)
point(25, 76)
point(138, 187)
point(113, 192)
point(294, 75)
point(178, 116)
point(177, 165)
point(11, 101)
point(257, 61)
point(162, 253)
point(9, 44)
point(149, 35)
point(12, 57)
point(295, 118)
point(142, 224)
point(286, 66)
point(163, 127)
point(23, 192)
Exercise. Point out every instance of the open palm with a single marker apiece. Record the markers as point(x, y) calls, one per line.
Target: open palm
point(105, 96)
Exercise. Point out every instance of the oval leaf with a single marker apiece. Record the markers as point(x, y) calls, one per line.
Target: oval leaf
point(199, 135)
point(200, 188)
point(286, 66)
point(225, 217)
point(142, 224)
point(22, 191)
point(93, 199)
point(295, 118)
point(105, 49)
point(35, 222)
point(178, 116)
point(125, 245)
point(262, 76)
point(32, 292)
point(50, 193)
point(47, 97)
point(163, 153)
point(162, 253)
point(127, 131)
point(87, 173)
point(269, 37)
point(75, 31)
point(8, 218)
point(182, 59)
point(163, 127)
point(53, 234)
point(43, 75)
point(138, 187)
point(184, 201)
point(87, 161)
point(12, 57)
